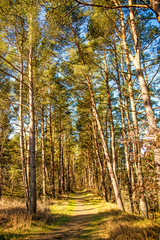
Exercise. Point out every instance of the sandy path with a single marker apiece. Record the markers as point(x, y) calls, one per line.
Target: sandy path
point(77, 227)
point(86, 216)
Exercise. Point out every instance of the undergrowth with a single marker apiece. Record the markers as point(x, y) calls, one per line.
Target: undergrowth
point(14, 216)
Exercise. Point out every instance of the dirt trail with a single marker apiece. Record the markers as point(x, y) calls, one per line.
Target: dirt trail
point(78, 225)
point(88, 217)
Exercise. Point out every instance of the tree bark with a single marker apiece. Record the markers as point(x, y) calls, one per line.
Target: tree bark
point(101, 164)
point(23, 163)
point(33, 201)
point(63, 170)
point(43, 160)
point(60, 158)
point(52, 152)
point(156, 7)
point(111, 119)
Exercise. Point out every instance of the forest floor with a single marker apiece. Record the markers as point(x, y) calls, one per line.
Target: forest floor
point(80, 215)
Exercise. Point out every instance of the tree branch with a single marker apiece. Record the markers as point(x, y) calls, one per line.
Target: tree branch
point(12, 65)
point(13, 77)
point(149, 6)
point(112, 7)
point(65, 15)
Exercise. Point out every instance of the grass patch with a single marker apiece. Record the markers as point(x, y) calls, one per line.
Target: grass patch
point(62, 210)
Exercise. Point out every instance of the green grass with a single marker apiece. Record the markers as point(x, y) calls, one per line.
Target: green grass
point(62, 211)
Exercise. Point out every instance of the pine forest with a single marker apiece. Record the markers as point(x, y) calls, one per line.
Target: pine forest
point(80, 119)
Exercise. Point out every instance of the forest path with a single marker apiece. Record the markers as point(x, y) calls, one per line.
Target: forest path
point(79, 218)
point(83, 215)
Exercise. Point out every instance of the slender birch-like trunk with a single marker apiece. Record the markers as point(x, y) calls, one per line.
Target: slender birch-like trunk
point(68, 175)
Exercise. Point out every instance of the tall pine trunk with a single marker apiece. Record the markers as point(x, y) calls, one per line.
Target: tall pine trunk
point(63, 169)
point(60, 159)
point(111, 119)
point(100, 162)
point(43, 160)
point(68, 166)
point(33, 201)
point(23, 162)
point(52, 151)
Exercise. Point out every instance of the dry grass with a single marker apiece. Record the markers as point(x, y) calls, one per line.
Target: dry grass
point(113, 224)
point(14, 215)
point(129, 227)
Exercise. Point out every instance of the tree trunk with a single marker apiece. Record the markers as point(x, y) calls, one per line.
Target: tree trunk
point(111, 119)
point(68, 174)
point(156, 8)
point(102, 171)
point(52, 152)
point(63, 170)
point(33, 201)
point(28, 160)
point(60, 159)
point(36, 136)
point(43, 160)
point(24, 171)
